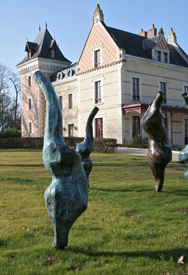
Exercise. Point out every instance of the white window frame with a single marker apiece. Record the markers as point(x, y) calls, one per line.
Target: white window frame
point(140, 77)
point(68, 101)
point(94, 80)
point(164, 80)
point(93, 50)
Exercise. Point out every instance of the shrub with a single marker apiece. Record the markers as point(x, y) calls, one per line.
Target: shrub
point(10, 133)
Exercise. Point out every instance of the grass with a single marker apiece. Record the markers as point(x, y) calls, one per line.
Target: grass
point(128, 228)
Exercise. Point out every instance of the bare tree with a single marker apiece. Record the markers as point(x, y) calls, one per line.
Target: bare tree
point(14, 78)
point(4, 85)
point(9, 108)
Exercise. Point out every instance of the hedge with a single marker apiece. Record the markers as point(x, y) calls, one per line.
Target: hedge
point(101, 145)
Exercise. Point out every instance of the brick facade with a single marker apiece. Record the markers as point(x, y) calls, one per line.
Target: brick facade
point(98, 36)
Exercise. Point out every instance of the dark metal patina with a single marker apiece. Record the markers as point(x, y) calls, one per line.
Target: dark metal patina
point(66, 197)
point(159, 154)
point(85, 148)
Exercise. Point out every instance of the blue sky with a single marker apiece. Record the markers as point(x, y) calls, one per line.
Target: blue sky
point(70, 22)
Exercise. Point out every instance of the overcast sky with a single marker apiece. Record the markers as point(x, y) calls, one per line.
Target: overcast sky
point(70, 22)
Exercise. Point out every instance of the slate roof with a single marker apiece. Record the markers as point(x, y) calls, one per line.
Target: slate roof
point(134, 45)
point(64, 73)
point(41, 47)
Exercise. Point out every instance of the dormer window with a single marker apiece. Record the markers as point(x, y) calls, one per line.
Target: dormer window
point(53, 53)
point(29, 54)
point(165, 57)
point(158, 56)
point(53, 48)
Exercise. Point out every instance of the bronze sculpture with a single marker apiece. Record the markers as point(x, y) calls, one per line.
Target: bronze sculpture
point(159, 154)
point(66, 197)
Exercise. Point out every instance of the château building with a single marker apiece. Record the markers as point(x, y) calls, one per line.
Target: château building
point(117, 71)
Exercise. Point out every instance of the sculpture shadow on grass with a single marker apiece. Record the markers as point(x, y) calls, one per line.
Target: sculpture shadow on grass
point(164, 254)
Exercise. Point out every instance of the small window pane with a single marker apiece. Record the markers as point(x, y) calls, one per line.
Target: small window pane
point(61, 102)
point(97, 58)
point(98, 92)
point(99, 127)
point(71, 130)
point(29, 81)
point(158, 56)
point(135, 89)
point(163, 90)
point(70, 101)
point(135, 126)
point(29, 104)
point(30, 127)
point(165, 59)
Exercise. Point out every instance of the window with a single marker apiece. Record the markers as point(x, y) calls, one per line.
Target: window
point(97, 58)
point(30, 127)
point(29, 54)
point(135, 89)
point(71, 130)
point(165, 57)
point(29, 104)
point(186, 131)
point(98, 92)
point(135, 126)
point(185, 89)
point(163, 90)
point(53, 53)
point(61, 102)
point(29, 81)
point(70, 101)
point(158, 56)
point(99, 127)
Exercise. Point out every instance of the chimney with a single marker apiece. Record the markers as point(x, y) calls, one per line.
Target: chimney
point(152, 32)
point(143, 33)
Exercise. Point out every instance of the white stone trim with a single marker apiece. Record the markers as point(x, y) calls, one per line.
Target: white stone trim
point(94, 80)
point(140, 77)
point(93, 50)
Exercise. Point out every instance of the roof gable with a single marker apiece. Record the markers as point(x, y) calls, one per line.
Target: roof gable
point(98, 37)
point(161, 44)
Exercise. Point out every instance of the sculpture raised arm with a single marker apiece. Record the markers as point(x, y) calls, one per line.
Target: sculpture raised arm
point(66, 197)
point(86, 147)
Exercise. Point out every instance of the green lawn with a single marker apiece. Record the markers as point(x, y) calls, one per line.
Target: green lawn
point(128, 228)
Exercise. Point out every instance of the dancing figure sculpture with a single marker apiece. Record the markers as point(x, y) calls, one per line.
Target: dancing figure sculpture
point(66, 197)
point(183, 155)
point(159, 154)
point(86, 147)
